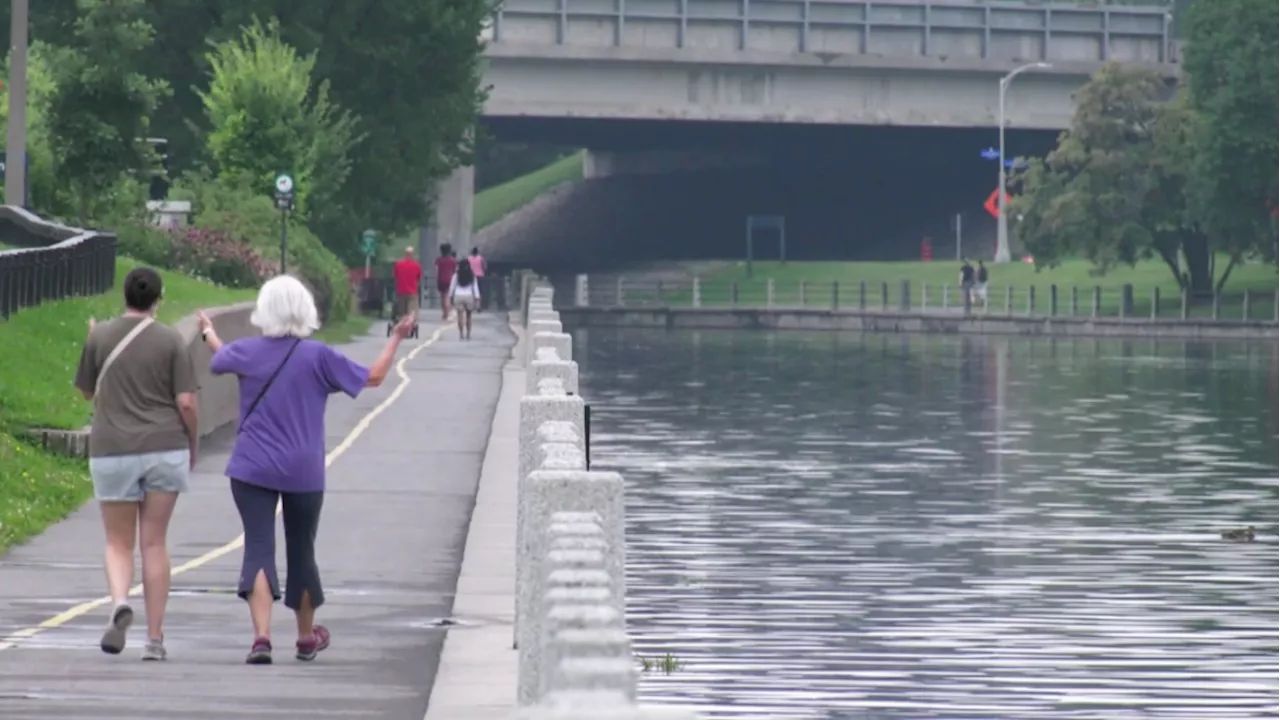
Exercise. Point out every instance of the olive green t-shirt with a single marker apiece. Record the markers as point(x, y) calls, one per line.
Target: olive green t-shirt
point(136, 409)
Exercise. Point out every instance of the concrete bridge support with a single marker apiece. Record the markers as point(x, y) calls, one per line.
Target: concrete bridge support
point(454, 200)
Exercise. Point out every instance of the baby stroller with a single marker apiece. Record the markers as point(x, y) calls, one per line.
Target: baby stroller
point(398, 311)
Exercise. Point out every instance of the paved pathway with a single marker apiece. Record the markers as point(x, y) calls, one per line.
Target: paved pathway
point(396, 518)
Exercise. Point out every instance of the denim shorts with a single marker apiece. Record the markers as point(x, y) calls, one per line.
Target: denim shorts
point(126, 478)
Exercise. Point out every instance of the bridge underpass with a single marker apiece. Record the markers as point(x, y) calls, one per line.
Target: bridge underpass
point(845, 192)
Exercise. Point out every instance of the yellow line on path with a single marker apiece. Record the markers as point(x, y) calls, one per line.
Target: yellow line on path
point(16, 637)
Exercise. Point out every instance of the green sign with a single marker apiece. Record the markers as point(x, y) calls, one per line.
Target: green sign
point(369, 242)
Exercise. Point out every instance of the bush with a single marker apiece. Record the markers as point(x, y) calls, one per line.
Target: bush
point(253, 219)
point(217, 256)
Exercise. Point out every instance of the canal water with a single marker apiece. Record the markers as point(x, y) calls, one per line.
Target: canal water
point(892, 527)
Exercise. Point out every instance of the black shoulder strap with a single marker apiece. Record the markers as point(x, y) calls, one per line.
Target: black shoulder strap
point(267, 386)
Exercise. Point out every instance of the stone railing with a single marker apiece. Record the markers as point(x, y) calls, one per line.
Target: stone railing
point(219, 396)
point(575, 660)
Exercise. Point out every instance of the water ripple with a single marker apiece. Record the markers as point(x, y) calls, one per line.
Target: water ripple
point(826, 526)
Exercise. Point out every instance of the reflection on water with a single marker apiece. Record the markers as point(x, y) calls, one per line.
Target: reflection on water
point(825, 526)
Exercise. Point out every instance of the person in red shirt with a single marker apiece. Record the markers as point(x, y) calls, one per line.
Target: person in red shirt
point(408, 277)
point(446, 266)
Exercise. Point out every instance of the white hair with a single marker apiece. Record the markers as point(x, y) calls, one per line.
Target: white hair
point(285, 307)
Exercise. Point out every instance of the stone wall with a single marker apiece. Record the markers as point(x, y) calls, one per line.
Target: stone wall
point(219, 396)
point(574, 652)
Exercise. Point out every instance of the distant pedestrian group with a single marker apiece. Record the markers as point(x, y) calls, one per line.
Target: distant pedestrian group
point(144, 444)
point(460, 284)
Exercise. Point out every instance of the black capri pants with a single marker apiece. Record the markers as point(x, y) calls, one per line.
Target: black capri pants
point(301, 511)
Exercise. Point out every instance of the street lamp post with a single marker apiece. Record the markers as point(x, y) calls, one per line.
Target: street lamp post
point(1002, 221)
point(15, 151)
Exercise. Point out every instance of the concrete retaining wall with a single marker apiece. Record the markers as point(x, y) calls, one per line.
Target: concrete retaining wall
point(575, 658)
point(955, 323)
point(219, 395)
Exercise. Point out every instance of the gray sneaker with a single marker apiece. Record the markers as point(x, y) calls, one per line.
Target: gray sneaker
point(154, 650)
point(114, 636)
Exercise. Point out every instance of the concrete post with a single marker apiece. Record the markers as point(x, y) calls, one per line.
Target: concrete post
point(924, 297)
point(581, 297)
point(1053, 299)
point(1155, 302)
point(1245, 306)
point(1216, 298)
point(1097, 301)
point(904, 300)
point(1186, 302)
point(1075, 301)
point(884, 296)
point(803, 298)
point(697, 292)
point(862, 295)
point(1031, 300)
point(619, 293)
point(768, 293)
point(946, 296)
point(453, 198)
point(1008, 300)
point(561, 342)
point(545, 418)
point(542, 368)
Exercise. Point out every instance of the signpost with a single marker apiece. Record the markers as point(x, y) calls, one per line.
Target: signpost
point(369, 246)
point(992, 205)
point(284, 201)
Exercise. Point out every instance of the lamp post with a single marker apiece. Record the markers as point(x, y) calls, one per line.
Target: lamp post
point(1002, 221)
point(15, 151)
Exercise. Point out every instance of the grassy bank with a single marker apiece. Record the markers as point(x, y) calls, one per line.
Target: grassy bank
point(818, 277)
point(493, 203)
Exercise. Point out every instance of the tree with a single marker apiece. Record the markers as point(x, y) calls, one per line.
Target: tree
point(268, 117)
point(1230, 59)
point(101, 103)
point(1113, 190)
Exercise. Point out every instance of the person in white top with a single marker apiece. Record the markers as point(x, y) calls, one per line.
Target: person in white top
point(464, 296)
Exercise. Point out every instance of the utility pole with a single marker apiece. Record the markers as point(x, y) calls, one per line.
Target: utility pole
point(1002, 220)
point(15, 151)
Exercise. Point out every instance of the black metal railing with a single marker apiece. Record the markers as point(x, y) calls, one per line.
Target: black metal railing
point(42, 261)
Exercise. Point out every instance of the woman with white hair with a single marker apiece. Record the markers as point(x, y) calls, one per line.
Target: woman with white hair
point(285, 383)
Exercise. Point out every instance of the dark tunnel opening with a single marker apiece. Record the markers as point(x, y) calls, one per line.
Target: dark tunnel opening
point(845, 192)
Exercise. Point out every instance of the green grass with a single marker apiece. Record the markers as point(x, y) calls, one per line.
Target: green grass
point(493, 203)
point(36, 489)
point(40, 346)
point(716, 288)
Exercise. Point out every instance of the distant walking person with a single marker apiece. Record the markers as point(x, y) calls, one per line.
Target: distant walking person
point(981, 290)
point(142, 446)
point(966, 284)
point(446, 266)
point(464, 293)
point(478, 268)
point(278, 458)
point(408, 278)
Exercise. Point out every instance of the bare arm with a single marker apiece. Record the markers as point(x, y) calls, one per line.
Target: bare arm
point(189, 409)
point(381, 367)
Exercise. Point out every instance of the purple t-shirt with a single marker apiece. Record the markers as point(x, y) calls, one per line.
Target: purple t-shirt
point(281, 446)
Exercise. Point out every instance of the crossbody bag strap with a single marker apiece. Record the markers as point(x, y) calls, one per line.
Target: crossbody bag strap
point(115, 352)
point(267, 386)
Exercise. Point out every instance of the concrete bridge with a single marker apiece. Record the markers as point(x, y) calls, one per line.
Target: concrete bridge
point(674, 87)
point(884, 62)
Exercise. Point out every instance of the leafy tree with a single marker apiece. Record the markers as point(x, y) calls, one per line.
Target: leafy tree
point(1112, 191)
point(266, 117)
point(46, 195)
point(101, 103)
point(1230, 58)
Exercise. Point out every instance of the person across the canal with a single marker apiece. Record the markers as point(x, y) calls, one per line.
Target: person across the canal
point(980, 291)
point(966, 283)
point(285, 382)
point(142, 446)
point(446, 266)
